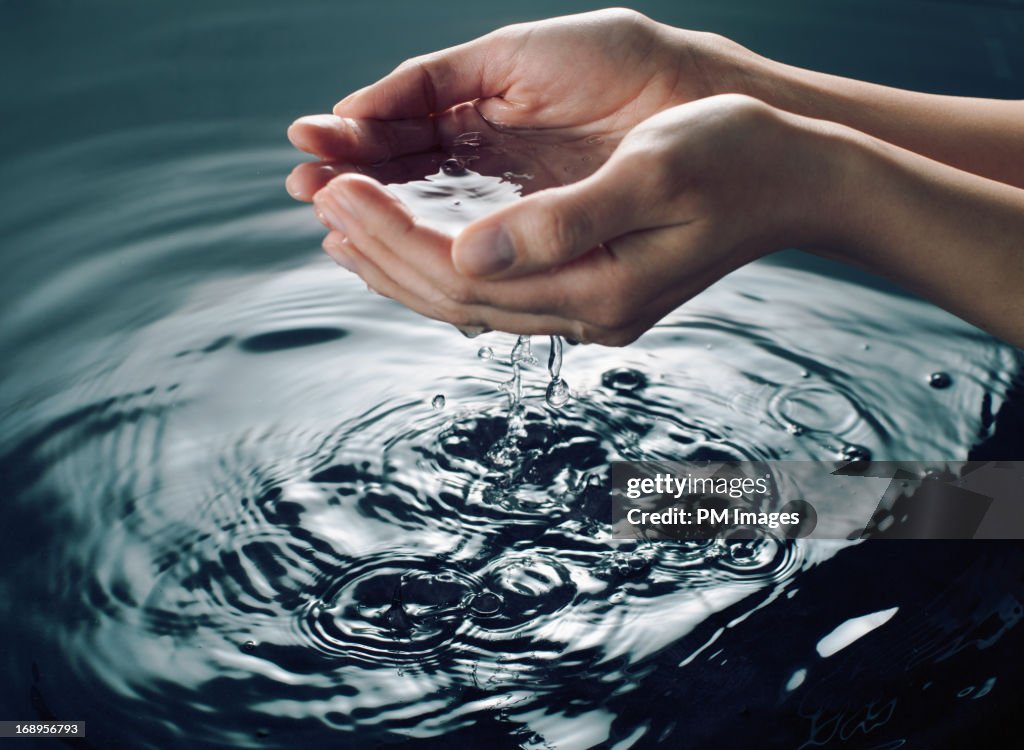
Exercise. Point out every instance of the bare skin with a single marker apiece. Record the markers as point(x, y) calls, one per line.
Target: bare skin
point(701, 157)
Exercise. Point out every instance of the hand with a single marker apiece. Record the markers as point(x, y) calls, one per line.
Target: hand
point(689, 195)
point(537, 88)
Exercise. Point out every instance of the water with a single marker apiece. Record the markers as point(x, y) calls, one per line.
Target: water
point(249, 504)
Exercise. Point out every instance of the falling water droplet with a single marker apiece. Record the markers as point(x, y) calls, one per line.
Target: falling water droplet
point(471, 332)
point(940, 380)
point(558, 393)
point(485, 352)
point(522, 352)
point(438, 401)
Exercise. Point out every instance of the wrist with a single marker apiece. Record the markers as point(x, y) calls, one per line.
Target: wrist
point(713, 64)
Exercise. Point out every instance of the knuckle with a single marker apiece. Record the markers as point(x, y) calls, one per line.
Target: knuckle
point(562, 228)
point(623, 15)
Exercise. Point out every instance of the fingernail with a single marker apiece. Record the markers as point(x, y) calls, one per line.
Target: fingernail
point(485, 253)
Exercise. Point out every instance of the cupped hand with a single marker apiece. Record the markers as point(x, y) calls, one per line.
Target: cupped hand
point(689, 195)
point(588, 76)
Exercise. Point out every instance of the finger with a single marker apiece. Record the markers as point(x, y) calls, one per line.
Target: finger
point(382, 221)
point(351, 256)
point(335, 244)
point(359, 140)
point(433, 83)
point(552, 227)
point(309, 177)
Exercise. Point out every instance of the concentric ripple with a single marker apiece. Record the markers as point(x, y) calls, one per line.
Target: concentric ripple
point(271, 508)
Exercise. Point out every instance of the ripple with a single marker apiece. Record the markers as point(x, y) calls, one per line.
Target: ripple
point(305, 541)
point(814, 407)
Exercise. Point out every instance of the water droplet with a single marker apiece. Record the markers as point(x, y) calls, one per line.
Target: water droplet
point(485, 352)
point(593, 140)
point(454, 167)
point(249, 646)
point(471, 332)
point(805, 374)
point(558, 392)
point(940, 380)
point(855, 453)
point(438, 401)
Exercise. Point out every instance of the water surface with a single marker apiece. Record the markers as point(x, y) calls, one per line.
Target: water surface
point(237, 514)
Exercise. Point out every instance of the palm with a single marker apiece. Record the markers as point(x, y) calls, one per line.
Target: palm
point(520, 90)
point(629, 74)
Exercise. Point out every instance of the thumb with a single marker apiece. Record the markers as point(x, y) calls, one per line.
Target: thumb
point(544, 230)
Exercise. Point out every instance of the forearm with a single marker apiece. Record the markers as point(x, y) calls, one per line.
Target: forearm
point(982, 136)
point(950, 236)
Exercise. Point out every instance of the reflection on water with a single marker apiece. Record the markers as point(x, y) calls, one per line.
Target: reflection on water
point(249, 504)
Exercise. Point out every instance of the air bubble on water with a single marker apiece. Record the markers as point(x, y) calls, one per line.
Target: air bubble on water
point(516, 176)
point(855, 453)
point(438, 401)
point(485, 604)
point(940, 380)
point(624, 380)
point(485, 352)
point(249, 646)
point(454, 167)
